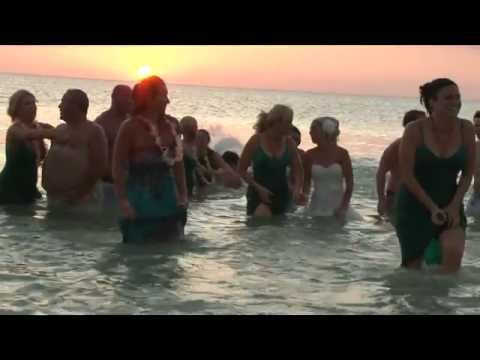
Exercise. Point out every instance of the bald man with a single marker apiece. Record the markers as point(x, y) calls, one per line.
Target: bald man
point(110, 121)
point(72, 170)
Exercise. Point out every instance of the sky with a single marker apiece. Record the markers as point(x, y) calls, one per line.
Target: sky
point(358, 69)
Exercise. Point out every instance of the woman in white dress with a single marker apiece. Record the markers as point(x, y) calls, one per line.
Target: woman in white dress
point(329, 167)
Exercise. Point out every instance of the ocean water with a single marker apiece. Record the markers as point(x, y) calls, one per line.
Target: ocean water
point(76, 264)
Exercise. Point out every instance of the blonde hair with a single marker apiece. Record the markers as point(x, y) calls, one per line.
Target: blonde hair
point(267, 120)
point(329, 127)
point(15, 102)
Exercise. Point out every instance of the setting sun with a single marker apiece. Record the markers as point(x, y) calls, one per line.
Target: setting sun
point(144, 71)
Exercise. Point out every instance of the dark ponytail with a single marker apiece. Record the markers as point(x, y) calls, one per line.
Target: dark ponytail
point(430, 90)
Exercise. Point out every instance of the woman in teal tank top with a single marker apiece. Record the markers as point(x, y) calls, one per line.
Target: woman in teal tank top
point(429, 217)
point(25, 149)
point(271, 151)
point(148, 169)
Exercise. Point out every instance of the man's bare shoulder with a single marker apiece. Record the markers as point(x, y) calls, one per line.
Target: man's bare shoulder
point(94, 129)
point(103, 117)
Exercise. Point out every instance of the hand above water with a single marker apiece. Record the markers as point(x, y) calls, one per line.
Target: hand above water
point(438, 216)
point(452, 212)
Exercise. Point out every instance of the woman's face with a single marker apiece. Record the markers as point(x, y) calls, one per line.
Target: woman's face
point(27, 109)
point(316, 134)
point(160, 100)
point(448, 101)
point(283, 126)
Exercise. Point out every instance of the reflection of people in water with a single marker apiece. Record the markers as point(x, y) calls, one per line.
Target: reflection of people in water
point(73, 170)
point(389, 164)
point(25, 150)
point(271, 150)
point(329, 166)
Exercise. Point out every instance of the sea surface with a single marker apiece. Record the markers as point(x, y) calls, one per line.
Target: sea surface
point(77, 264)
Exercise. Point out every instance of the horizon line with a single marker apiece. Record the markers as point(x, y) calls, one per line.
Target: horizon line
point(217, 86)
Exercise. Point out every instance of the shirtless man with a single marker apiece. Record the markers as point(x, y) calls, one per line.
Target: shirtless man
point(110, 121)
point(72, 170)
point(473, 205)
point(389, 163)
point(189, 129)
point(476, 177)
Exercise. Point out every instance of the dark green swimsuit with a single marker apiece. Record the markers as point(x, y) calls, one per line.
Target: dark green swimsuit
point(438, 177)
point(18, 179)
point(271, 173)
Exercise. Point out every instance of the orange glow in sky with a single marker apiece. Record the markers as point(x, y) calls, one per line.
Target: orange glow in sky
point(357, 69)
point(144, 71)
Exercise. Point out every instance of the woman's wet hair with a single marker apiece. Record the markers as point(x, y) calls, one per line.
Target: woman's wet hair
point(266, 120)
point(231, 158)
point(412, 115)
point(206, 133)
point(329, 126)
point(295, 130)
point(429, 91)
point(144, 90)
point(477, 114)
point(15, 102)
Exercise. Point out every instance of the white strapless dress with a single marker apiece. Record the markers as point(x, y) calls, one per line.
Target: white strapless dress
point(328, 190)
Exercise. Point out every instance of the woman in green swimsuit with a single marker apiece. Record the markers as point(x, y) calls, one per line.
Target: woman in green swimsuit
point(25, 150)
point(271, 150)
point(429, 205)
point(148, 169)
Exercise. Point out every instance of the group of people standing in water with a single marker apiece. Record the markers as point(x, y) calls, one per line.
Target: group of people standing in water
point(147, 164)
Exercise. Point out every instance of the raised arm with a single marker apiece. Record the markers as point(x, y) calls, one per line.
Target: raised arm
point(228, 176)
point(41, 132)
